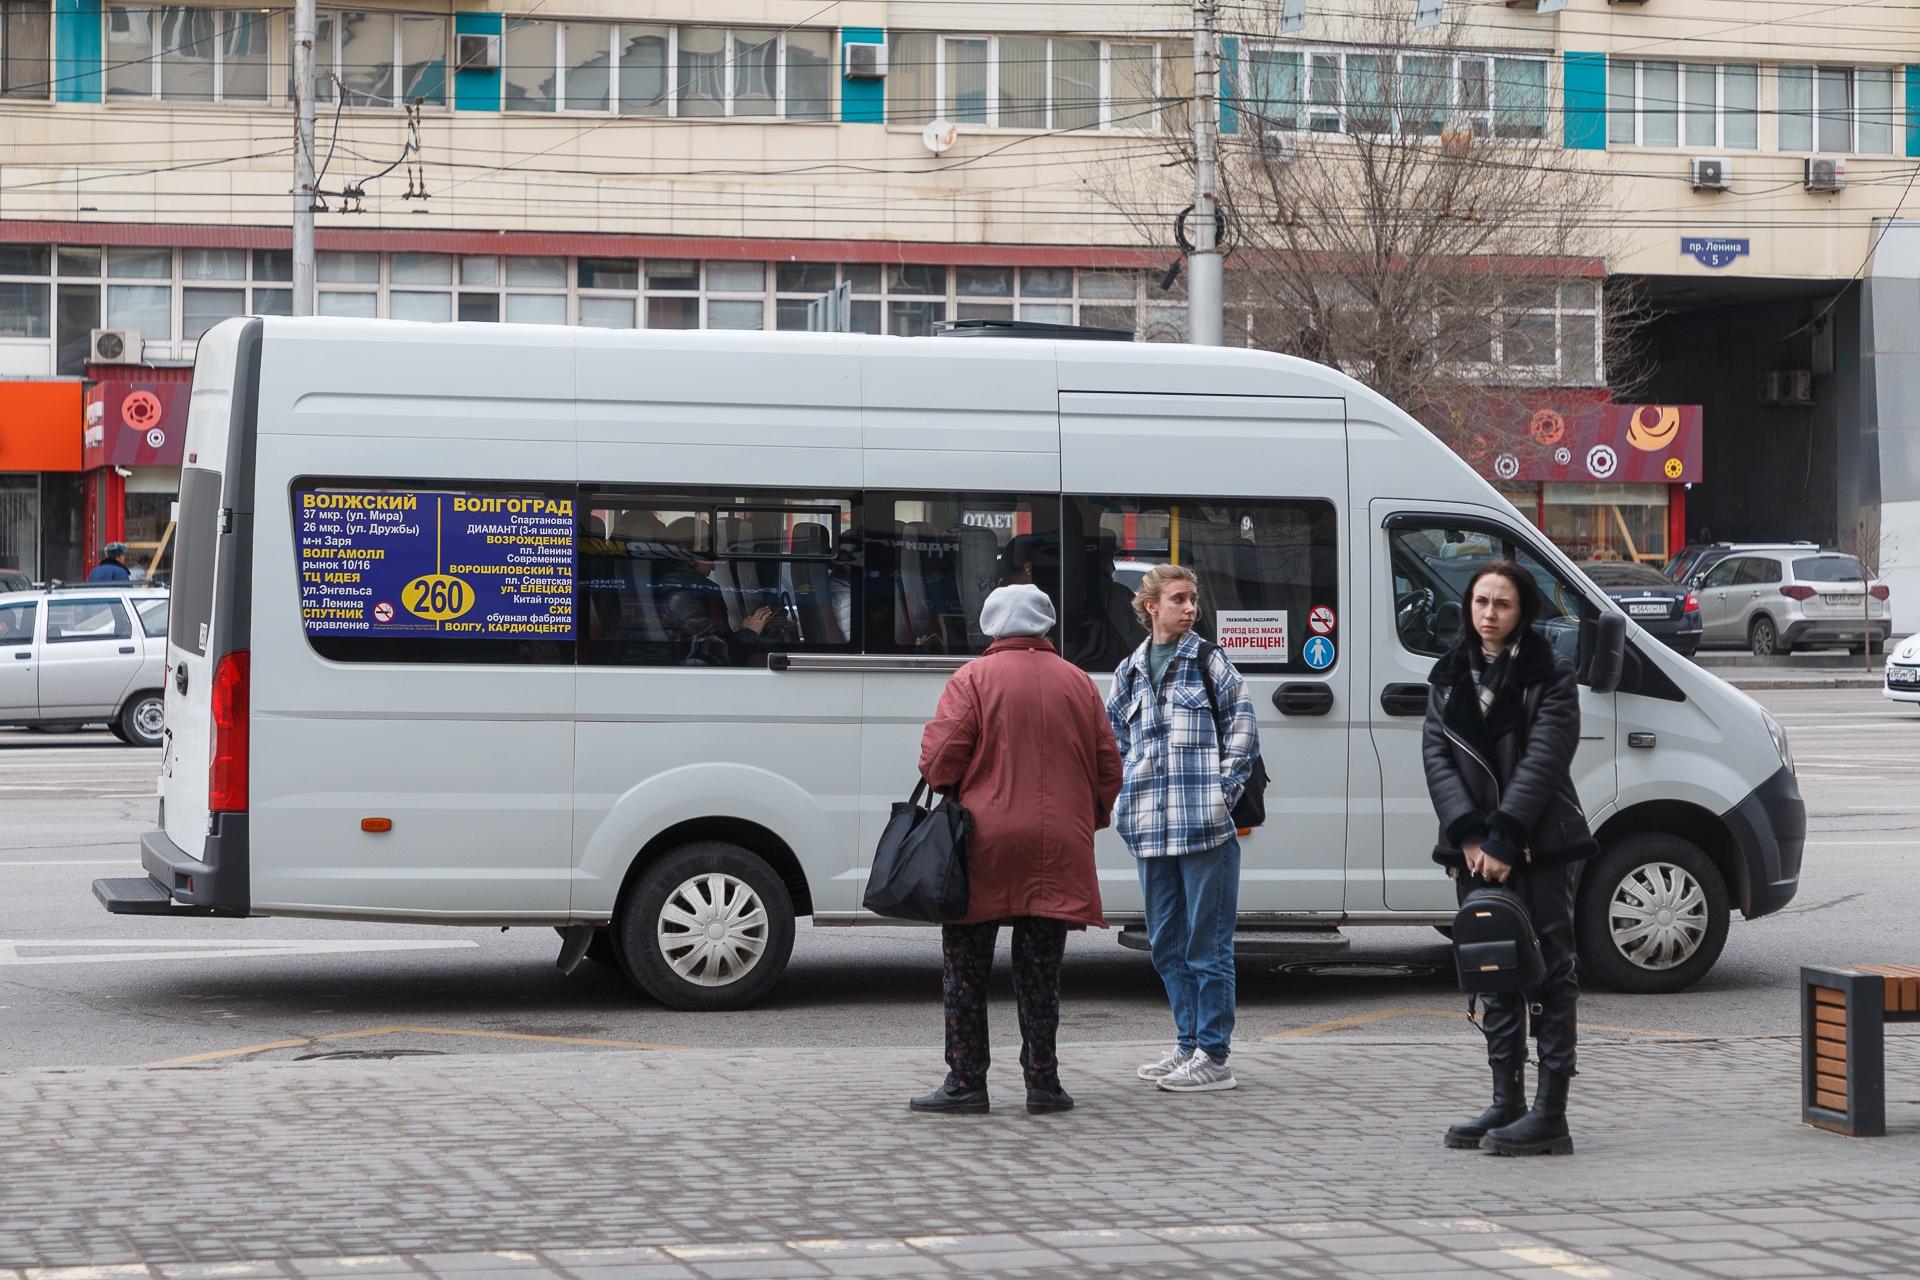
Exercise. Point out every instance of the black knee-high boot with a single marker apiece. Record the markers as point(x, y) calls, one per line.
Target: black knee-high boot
point(1543, 1130)
point(1509, 1104)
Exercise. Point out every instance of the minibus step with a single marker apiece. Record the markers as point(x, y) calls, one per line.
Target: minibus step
point(134, 896)
point(1290, 943)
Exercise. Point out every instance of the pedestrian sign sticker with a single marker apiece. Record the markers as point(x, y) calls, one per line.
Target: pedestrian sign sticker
point(1319, 653)
point(1321, 621)
point(421, 562)
point(1252, 635)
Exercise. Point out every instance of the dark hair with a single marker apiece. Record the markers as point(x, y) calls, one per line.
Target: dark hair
point(1532, 603)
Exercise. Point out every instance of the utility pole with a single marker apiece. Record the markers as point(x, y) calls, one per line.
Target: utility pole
point(1205, 322)
point(303, 179)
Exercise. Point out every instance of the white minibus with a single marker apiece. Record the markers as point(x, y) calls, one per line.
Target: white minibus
point(633, 634)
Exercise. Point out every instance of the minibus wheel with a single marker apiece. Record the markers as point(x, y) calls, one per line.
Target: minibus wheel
point(709, 925)
point(1651, 916)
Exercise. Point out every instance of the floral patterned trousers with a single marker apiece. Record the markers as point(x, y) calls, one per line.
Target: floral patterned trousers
point(967, 956)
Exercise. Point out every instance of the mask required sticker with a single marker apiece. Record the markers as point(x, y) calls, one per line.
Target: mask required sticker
point(1252, 635)
point(401, 562)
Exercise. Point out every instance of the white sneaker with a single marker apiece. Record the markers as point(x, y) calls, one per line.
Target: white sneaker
point(1166, 1066)
point(1199, 1074)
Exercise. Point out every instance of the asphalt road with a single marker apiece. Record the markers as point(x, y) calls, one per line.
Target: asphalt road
point(80, 987)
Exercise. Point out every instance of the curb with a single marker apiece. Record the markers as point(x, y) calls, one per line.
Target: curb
point(1808, 682)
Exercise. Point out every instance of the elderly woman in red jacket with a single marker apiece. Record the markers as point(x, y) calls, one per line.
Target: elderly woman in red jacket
point(1021, 739)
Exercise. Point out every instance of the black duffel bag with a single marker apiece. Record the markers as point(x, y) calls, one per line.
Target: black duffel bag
point(1494, 946)
point(920, 866)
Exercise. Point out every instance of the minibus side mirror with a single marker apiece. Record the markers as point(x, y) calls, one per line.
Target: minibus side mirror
point(1609, 657)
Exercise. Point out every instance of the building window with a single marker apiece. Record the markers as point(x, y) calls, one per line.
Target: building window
point(1035, 83)
point(1838, 109)
point(185, 54)
point(1334, 91)
point(1669, 104)
point(24, 311)
point(26, 28)
point(648, 69)
point(382, 59)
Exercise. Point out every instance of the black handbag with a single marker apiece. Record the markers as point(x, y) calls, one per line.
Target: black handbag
point(1250, 810)
point(1494, 946)
point(919, 869)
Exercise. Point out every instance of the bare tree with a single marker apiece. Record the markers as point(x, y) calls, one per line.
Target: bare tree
point(1400, 206)
point(1867, 544)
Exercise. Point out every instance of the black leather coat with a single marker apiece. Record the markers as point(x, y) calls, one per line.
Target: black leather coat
point(1505, 778)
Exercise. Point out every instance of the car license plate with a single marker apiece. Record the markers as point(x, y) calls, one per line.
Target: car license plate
point(1647, 610)
point(1846, 602)
point(1908, 675)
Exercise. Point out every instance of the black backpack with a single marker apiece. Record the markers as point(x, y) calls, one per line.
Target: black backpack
point(1250, 810)
point(1494, 946)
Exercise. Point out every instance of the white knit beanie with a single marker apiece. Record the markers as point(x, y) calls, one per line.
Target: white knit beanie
point(1021, 610)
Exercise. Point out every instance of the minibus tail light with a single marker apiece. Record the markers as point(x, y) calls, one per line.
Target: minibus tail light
point(227, 775)
point(1796, 591)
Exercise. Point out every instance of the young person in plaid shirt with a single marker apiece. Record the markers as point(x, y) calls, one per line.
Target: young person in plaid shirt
point(1185, 768)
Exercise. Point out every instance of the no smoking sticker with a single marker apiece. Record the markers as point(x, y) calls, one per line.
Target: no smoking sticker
point(383, 611)
point(1321, 621)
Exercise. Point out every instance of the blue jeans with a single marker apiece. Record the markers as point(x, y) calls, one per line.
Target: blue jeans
point(1192, 903)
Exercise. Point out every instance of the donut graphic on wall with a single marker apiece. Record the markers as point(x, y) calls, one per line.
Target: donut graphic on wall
point(140, 411)
point(1548, 428)
point(1653, 428)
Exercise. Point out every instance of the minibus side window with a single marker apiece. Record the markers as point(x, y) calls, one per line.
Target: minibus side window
point(933, 558)
point(194, 543)
point(1258, 560)
point(703, 577)
point(1432, 565)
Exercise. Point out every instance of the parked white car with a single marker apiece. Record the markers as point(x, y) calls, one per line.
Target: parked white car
point(85, 654)
point(1903, 671)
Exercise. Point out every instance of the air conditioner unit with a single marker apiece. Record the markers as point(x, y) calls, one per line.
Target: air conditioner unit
point(1826, 173)
point(1711, 173)
point(1773, 386)
point(1799, 386)
point(476, 53)
point(114, 346)
point(864, 61)
point(1277, 147)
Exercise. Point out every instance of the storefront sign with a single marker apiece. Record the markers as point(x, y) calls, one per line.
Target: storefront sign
point(408, 562)
point(40, 426)
point(1611, 443)
point(1714, 252)
point(135, 423)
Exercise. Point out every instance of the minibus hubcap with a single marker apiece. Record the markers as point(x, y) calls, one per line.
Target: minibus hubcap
point(1658, 915)
point(712, 929)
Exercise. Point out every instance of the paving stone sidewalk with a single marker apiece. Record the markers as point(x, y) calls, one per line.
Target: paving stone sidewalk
point(1325, 1163)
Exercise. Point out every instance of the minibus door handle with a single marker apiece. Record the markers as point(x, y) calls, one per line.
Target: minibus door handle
point(1404, 699)
point(1303, 698)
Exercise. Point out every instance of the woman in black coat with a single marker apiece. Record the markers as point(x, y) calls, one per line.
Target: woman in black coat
point(1503, 720)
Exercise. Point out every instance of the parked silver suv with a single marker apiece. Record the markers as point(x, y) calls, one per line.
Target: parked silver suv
point(85, 654)
point(1778, 600)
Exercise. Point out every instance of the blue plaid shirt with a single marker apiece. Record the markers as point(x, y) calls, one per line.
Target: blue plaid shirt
point(1180, 784)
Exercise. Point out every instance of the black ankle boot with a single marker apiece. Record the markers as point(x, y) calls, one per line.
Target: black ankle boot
point(1540, 1132)
point(1509, 1104)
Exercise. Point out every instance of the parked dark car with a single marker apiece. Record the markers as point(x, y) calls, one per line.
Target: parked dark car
point(1670, 612)
point(14, 580)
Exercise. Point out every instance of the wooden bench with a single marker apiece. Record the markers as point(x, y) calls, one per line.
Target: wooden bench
point(1843, 1017)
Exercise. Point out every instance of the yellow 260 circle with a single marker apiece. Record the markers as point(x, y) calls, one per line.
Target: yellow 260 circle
point(437, 597)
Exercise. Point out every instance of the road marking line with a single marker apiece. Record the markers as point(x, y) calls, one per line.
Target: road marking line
point(1400, 1011)
point(408, 1029)
point(77, 862)
point(122, 949)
